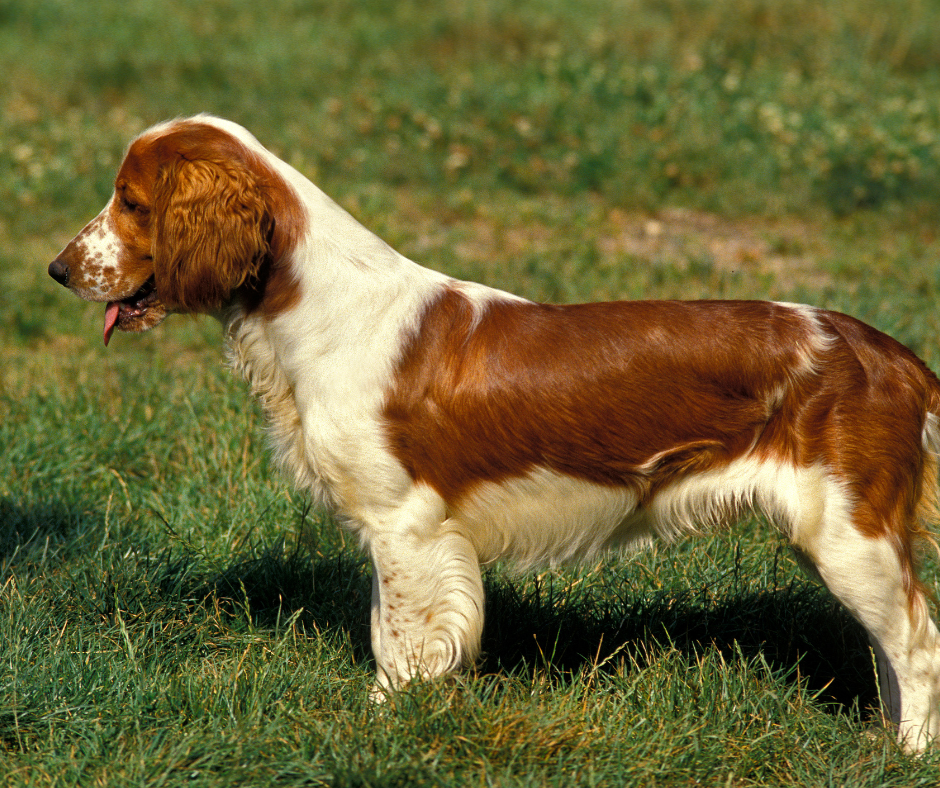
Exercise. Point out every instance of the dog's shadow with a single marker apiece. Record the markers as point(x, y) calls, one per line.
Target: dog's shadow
point(36, 531)
point(531, 625)
point(798, 630)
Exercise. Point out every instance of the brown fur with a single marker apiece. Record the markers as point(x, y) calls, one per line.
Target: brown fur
point(213, 229)
point(639, 394)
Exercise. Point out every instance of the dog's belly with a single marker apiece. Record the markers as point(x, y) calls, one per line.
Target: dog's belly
point(546, 517)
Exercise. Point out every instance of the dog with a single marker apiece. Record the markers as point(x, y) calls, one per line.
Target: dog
point(449, 424)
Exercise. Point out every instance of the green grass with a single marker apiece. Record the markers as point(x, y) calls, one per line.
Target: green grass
point(172, 614)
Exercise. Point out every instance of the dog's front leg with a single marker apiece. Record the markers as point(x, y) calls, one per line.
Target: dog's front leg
point(427, 602)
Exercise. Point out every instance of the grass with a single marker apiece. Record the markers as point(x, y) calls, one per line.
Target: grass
point(171, 613)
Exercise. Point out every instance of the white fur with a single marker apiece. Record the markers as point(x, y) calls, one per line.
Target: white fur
point(865, 575)
point(819, 340)
point(98, 241)
point(548, 517)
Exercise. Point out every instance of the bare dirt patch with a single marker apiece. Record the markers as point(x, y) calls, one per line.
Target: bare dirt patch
point(790, 251)
point(786, 250)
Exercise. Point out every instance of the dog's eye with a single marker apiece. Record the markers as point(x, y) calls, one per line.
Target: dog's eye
point(132, 207)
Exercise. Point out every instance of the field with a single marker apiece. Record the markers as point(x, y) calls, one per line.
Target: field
point(172, 613)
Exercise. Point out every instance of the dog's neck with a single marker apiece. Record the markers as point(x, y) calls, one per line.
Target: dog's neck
point(358, 302)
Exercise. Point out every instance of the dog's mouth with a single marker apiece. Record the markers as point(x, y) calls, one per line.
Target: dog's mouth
point(122, 313)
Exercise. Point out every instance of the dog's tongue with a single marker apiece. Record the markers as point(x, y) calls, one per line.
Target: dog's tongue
point(111, 312)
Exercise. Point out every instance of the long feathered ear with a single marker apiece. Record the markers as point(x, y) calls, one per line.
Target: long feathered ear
point(211, 231)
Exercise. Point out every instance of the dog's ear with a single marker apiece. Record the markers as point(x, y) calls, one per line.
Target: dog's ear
point(211, 231)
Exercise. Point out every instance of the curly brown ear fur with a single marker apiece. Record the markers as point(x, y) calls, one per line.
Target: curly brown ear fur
point(211, 230)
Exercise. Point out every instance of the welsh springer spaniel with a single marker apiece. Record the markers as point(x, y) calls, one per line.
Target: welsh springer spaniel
point(450, 424)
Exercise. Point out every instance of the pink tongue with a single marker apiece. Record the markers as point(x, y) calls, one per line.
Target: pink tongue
point(110, 319)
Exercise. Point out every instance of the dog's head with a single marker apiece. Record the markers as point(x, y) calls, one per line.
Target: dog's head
point(197, 217)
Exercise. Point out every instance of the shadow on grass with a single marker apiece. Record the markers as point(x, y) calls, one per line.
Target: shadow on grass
point(799, 625)
point(35, 530)
point(529, 628)
point(278, 583)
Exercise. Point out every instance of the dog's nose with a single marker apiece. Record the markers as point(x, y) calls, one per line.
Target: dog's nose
point(59, 271)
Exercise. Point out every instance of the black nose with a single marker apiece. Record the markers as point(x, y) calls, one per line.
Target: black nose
point(59, 271)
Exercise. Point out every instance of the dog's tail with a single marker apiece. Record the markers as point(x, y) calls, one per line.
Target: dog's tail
point(927, 511)
point(928, 504)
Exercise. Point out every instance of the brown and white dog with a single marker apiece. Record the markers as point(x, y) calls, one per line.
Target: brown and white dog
point(450, 424)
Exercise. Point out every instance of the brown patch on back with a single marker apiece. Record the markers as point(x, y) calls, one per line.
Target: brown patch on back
point(626, 393)
point(639, 394)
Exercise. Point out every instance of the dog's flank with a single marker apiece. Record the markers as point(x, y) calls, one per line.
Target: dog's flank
point(448, 424)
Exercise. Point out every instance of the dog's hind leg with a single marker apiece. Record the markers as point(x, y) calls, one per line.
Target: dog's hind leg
point(875, 580)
